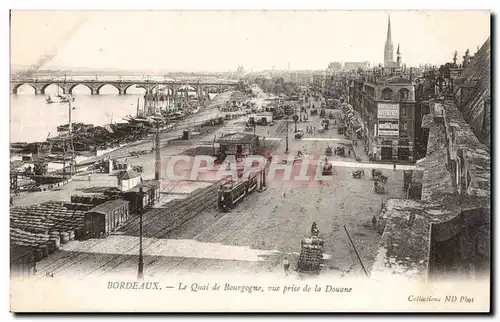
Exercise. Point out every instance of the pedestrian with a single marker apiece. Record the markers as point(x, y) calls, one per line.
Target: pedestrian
point(286, 266)
point(349, 151)
point(89, 176)
point(394, 166)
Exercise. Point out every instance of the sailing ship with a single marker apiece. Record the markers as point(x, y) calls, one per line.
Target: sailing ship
point(59, 98)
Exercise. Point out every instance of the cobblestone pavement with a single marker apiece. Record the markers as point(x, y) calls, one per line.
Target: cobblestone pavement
point(256, 235)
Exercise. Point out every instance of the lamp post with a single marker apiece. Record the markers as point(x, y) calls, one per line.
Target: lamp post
point(140, 269)
point(286, 138)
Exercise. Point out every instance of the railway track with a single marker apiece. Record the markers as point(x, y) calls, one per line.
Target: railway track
point(64, 262)
point(123, 258)
point(204, 198)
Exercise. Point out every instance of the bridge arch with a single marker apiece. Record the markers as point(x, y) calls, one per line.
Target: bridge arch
point(213, 89)
point(130, 86)
point(45, 86)
point(72, 87)
point(16, 87)
point(99, 87)
point(169, 90)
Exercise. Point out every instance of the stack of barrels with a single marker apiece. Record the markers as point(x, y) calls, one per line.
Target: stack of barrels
point(45, 227)
point(40, 242)
point(94, 199)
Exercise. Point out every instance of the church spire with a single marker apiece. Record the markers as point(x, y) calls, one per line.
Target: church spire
point(389, 36)
point(398, 57)
point(388, 49)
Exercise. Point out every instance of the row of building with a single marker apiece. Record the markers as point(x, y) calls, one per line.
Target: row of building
point(390, 102)
point(443, 228)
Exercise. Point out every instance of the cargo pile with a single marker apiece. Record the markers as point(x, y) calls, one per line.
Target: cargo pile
point(311, 257)
point(94, 199)
point(45, 226)
point(311, 254)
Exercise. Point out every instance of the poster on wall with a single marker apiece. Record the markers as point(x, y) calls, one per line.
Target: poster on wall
point(388, 111)
point(388, 128)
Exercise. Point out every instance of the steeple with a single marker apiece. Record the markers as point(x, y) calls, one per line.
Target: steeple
point(388, 49)
point(398, 57)
point(389, 36)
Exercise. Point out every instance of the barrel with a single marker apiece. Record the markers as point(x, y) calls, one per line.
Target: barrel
point(79, 233)
point(44, 250)
point(56, 241)
point(51, 245)
point(71, 234)
point(64, 238)
point(312, 241)
point(39, 253)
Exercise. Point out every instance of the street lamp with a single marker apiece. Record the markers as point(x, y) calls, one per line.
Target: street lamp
point(286, 138)
point(140, 270)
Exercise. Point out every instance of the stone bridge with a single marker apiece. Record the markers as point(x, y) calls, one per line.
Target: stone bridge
point(202, 88)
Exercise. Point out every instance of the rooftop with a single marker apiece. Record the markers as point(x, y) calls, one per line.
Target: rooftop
point(237, 137)
point(128, 174)
point(146, 186)
point(478, 76)
point(108, 206)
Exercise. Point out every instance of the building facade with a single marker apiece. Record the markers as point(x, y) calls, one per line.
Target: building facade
point(364, 65)
point(388, 112)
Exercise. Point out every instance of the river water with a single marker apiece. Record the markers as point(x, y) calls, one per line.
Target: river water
point(32, 119)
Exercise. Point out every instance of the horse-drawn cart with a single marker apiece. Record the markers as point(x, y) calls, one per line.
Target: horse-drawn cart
point(340, 150)
point(327, 168)
point(311, 255)
point(299, 134)
point(358, 174)
point(378, 176)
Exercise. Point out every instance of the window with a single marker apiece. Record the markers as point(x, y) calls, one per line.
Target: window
point(403, 129)
point(404, 94)
point(387, 142)
point(402, 111)
point(387, 94)
point(404, 142)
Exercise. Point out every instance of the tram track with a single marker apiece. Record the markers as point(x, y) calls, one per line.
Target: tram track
point(205, 195)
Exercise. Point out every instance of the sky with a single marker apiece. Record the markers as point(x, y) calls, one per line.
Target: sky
point(222, 40)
